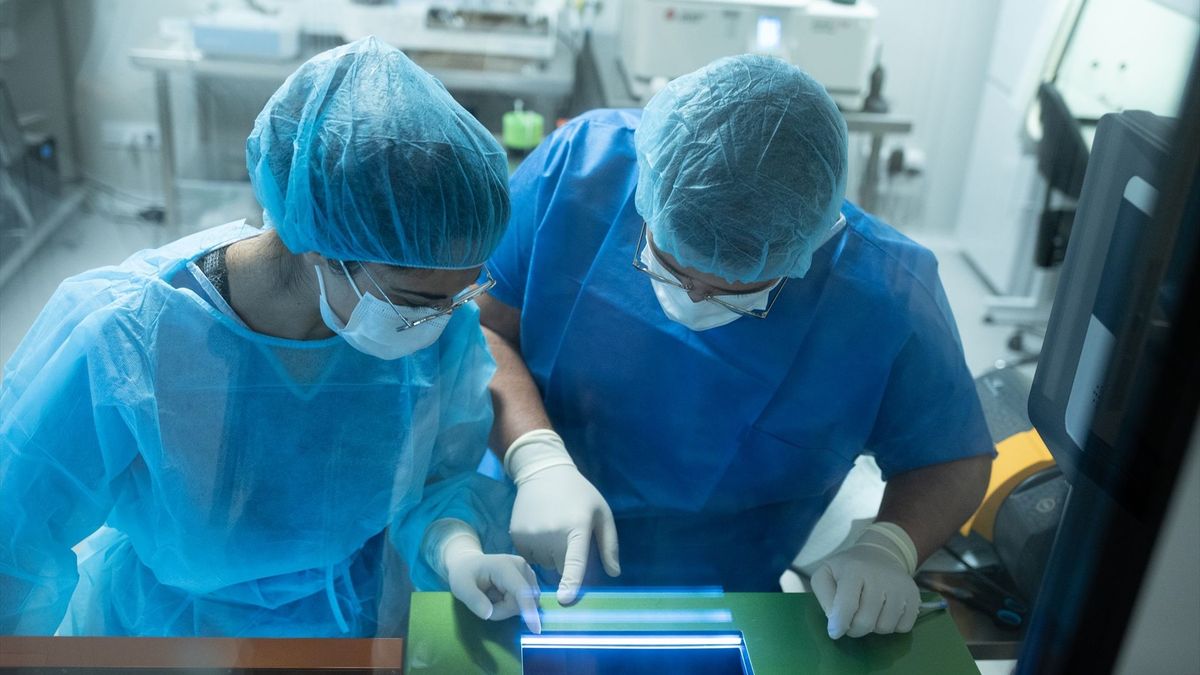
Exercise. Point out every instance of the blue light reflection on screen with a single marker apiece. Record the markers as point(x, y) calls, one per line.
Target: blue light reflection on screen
point(636, 616)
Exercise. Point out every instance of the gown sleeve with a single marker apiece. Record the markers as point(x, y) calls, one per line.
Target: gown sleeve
point(531, 188)
point(453, 487)
point(930, 411)
point(64, 443)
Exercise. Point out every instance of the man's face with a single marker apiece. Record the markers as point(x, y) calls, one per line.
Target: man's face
point(701, 285)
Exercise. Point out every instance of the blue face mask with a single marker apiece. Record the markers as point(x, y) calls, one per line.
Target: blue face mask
point(379, 328)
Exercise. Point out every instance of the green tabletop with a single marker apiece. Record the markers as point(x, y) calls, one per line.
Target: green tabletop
point(784, 633)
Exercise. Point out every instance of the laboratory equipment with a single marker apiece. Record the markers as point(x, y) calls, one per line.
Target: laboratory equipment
point(1025, 526)
point(636, 654)
point(833, 42)
point(1026, 494)
point(977, 591)
point(510, 28)
point(1098, 54)
point(1002, 195)
point(874, 101)
point(1083, 387)
point(522, 129)
point(1115, 396)
point(1070, 403)
point(247, 34)
point(1062, 158)
point(734, 633)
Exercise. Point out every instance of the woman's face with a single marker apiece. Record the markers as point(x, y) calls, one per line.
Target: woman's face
point(404, 287)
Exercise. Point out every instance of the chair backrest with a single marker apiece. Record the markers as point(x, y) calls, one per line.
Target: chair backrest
point(1062, 152)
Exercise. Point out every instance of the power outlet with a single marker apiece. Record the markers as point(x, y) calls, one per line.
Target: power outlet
point(130, 136)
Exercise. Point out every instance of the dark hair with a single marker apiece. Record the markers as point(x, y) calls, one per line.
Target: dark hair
point(353, 266)
point(287, 269)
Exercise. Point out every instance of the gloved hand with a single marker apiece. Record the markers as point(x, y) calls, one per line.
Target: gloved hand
point(557, 510)
point(868, 588)
point(493, 587)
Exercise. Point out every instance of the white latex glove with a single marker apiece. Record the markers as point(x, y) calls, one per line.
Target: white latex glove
point(868, 588)
point(494, 587)
point(557, 511)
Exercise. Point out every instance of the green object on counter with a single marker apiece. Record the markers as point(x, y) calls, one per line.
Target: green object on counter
point(784, 633)
point(522, 129)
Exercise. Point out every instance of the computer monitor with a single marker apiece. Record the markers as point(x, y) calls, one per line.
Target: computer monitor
point(1081, 388)
point(635, 653)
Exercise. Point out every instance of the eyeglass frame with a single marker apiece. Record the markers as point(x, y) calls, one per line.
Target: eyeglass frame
point(460, 299)
point(640, 266)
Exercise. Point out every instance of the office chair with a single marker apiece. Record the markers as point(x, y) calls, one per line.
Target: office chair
point(1062, 157)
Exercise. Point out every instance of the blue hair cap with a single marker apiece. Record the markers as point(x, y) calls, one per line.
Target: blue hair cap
point(362, 155)
point(742, 168)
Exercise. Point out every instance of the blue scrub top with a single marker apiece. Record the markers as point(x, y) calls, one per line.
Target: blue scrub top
point(719, 450)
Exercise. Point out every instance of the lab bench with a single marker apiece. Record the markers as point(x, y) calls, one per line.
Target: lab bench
point(783, 633)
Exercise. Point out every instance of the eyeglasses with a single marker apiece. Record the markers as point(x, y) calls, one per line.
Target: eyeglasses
point(640, 266)
point(466, 295)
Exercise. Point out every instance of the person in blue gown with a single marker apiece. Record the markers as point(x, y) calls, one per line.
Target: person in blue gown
point(697, 335)
point(275, 432)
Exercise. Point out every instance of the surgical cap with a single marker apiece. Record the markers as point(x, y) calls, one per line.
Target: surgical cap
point(742, 168)
point(362, 155)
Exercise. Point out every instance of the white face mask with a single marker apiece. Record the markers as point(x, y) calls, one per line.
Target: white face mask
point(701, 315)
point(377, 327)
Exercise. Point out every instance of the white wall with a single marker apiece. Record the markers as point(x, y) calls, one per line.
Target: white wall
point(109, 89)
point(935, 54)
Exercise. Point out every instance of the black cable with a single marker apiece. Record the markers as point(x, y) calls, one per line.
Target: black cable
point(95, 210)
point(148, 212)
point(116, 193)
point(975, 571)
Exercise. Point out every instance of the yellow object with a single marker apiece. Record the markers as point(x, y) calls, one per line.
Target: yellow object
point(1018, 457)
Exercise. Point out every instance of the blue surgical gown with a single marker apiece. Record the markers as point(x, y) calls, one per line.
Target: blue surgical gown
point(247, 484)
point(718, 450)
